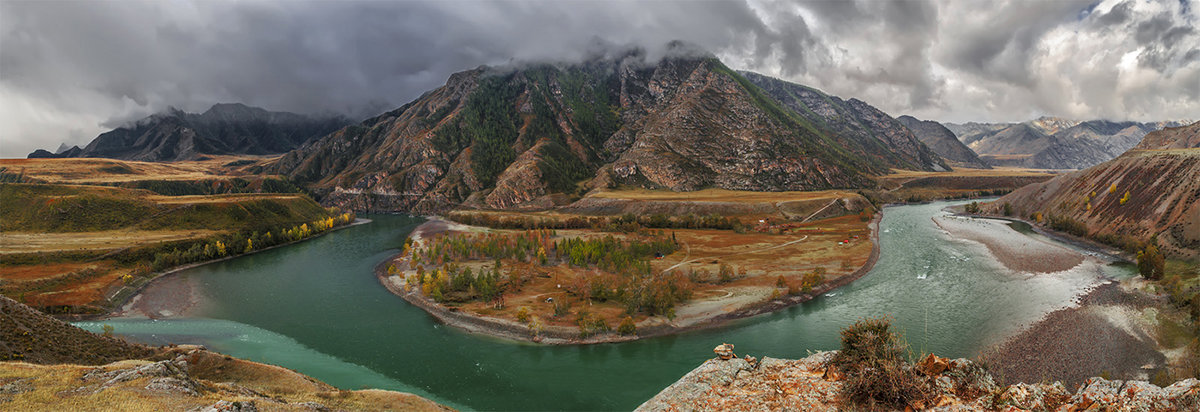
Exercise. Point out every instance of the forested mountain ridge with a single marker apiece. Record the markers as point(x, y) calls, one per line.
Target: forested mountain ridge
point(534, 136)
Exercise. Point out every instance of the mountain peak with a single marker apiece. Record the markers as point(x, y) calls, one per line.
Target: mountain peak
point(235, 111)
point(1052, 125)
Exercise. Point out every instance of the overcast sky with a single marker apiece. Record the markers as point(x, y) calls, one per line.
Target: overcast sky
point(70, 70)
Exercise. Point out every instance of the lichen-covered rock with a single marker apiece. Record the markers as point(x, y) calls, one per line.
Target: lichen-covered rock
point(231, 406)
point(810, 384)
point(186, 387)
point(1039, 397)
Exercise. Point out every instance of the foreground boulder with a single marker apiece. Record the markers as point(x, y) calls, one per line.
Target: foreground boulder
point(809, 384)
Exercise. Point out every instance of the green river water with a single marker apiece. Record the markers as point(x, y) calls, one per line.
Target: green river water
point(316, 307)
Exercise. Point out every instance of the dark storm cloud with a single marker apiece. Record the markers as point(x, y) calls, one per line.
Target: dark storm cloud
point(1118, 15)
point(69, 69)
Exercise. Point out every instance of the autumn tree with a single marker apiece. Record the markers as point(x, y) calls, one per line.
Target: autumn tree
point(1151, 263)
point(725, 273)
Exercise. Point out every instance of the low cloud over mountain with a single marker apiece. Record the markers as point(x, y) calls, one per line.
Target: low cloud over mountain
point(69, 70)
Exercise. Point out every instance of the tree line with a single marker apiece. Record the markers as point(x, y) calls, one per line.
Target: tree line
point(622, 271)
point(624, 223)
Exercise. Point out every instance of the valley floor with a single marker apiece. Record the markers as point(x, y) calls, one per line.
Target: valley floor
point(844, 248)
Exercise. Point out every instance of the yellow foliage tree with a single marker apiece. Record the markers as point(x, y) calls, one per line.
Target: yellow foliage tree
point(249, 246)
point(1112, 188)
point(1125, 198)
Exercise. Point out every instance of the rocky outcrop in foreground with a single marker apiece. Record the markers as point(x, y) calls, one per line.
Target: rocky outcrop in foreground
point(809, 384)
point(191, 379)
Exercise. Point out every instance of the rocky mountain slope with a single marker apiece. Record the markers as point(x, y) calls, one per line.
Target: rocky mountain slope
point(810, 384)
point(31, 336)
point(1183, 137)
point(852, 121)
point(1053, 143)
point(534, 136)
point(943, 142)
point(1133, 197)
point(223, 129)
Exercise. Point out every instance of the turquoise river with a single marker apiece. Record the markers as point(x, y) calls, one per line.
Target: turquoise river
point(317, 308)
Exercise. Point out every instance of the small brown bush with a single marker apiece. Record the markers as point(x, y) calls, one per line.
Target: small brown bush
point(627, 327)
point(877, 372)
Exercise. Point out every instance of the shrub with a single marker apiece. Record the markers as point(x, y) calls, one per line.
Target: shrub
point(877, 372)
point(627, 327)
point(1151, 263)
point(972, 207)
point(726, 273)
point(590, 324)
point(523, 314)
point(561, 307)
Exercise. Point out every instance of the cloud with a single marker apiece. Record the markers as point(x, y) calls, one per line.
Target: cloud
point(70, 70)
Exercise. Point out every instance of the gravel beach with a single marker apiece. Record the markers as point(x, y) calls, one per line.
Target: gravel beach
point(1014, 250)
point(1105, 333)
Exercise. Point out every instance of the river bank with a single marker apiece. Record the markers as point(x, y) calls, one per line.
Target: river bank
point(1014, 250)
point(717, 316)
point(1111, 332)
point(1110, 329)
point(171, 296)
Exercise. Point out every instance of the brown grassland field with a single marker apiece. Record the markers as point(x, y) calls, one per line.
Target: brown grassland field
point(920, 186)
point(101, 171)
point(77, 235)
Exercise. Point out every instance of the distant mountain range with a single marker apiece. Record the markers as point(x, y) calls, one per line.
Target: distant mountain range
point(223, 129)
point(539, 135)
point(1160, 188)
point(1051, 142)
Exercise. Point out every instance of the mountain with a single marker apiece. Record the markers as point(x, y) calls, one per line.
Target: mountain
point(1163, 199)
point(223, 129)
point(943, 142)
point(1051, 142)
point(534, 136)
point(1184, 137)
point(853, 121)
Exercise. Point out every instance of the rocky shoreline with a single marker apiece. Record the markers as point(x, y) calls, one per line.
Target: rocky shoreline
point(810, 384)
point(1108, 332)
point(561, 335)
